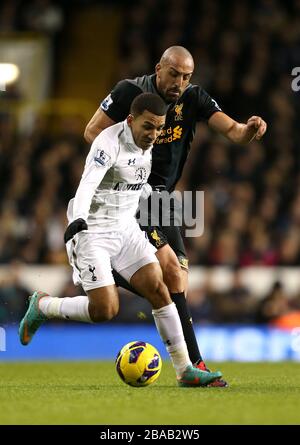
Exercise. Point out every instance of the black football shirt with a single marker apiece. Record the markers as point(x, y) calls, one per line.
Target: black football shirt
point(171, 148)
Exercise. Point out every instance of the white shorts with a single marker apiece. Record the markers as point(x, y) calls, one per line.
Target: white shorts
point(94, 255)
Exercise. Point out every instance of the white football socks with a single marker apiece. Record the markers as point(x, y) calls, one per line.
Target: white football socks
point(75, 308)
point(169, 327)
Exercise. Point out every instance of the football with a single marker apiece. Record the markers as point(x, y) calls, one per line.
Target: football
point(138, 363)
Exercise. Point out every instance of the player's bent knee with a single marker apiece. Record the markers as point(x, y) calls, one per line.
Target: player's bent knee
point(99, 315)
point(103, 312)
point(103, 304)
point(157, 294)
point(173, 273)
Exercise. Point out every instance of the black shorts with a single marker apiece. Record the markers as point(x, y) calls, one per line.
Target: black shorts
point(160, 235)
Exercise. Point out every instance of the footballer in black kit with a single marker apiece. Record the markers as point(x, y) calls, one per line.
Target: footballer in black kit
point(171, 149)
point(187, 104)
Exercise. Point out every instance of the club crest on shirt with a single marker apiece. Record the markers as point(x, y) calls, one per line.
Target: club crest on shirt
point(102, 158)
point(178, 112)
point(140, 174)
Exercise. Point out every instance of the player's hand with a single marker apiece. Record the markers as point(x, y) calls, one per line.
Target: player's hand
point(258, 126)
point(75, 227)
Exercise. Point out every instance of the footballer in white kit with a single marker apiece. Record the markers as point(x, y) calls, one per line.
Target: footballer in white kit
point(103, 233)
point(107, 198)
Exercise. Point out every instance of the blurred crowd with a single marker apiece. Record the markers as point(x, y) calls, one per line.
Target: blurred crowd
point(46, 16)
point(244, 53)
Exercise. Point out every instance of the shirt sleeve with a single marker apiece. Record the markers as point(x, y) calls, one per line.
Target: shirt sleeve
point(207, 106)
point(117, 104)
point(100, 159)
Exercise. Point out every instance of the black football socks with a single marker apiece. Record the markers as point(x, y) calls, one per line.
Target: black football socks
point(187, 326)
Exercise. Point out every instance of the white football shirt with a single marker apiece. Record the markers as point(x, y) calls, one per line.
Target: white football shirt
point(115, 172)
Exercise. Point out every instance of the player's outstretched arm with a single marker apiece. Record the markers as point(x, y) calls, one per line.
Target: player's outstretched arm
point(237, 132)
point(99, 122)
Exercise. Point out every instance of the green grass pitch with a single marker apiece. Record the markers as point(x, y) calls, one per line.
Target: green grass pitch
point(92, 393)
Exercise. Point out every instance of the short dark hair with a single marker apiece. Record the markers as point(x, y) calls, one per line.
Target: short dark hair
point(150, 102)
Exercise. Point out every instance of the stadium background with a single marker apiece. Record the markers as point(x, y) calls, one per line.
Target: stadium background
point(245, 281)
